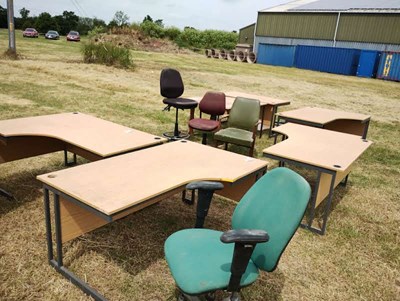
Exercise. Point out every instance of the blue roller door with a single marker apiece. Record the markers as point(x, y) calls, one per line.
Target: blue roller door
point(276, 55)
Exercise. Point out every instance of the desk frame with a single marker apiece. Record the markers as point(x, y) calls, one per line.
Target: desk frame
point(59, 197)
point(314, 199)
point(360, 127)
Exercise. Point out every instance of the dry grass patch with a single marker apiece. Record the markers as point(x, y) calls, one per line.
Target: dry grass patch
point(358, 258)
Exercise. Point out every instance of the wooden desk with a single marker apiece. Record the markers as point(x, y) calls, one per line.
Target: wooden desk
point(330, 153)
point(345, 122)
point(89, 196)
point(268, 105)
point(81, 134)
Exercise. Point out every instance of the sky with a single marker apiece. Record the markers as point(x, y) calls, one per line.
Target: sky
point(201, 14)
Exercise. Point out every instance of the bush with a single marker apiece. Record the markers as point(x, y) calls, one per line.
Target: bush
point(152, 30)
point(191, 37)
point(172, 33)
point(96, 31)
point(106, 54)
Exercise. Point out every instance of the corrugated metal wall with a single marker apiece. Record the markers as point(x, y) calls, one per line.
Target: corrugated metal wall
point(369, 28)
point(389, 66)
point(246, 34)
point(320, 26)
point(327, 59)
point(325, 43)
point(276, 55)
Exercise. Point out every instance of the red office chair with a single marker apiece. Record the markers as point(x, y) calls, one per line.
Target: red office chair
point(213, 104)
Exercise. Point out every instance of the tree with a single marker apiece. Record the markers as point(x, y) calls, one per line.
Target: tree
point(24, 13)
point(147, 18)
point(66, 22)
point(45, 22)
point(3, 17)
point(159, 22)
point(120, 18)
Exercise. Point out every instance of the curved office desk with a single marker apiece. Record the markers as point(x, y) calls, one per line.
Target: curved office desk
point(345, 122)
point(330, 153)
point(89, 196)
point(81, 134)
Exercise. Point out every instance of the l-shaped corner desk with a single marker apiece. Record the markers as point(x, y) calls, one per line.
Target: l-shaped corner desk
point(89, 196)
point(81, 134)
point(345, 122)
point(330, 153)
point(268, 108)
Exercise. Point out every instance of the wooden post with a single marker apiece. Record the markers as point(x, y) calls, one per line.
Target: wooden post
point(11, 27)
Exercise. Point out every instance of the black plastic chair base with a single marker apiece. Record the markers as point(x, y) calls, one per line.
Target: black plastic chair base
point(171, 136)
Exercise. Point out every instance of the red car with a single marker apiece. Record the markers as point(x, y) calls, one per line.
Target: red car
point(30, 33)
point(73, 36)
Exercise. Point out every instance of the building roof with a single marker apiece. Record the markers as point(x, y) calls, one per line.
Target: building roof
point(356, 6)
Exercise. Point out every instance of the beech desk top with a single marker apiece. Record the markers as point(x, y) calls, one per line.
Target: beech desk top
point(264, 100)
point(322, 116)
point(95, 135)
point(117, 183)
point(231, 96)
point(318, 147)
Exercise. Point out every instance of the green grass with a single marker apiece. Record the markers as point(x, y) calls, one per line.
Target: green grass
point(358, 258)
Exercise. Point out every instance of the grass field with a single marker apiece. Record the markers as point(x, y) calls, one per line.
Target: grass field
point(358, 258)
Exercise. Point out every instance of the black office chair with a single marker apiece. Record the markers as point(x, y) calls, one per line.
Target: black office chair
point(172, 88)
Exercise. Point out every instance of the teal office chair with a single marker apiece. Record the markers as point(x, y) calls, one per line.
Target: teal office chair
point(203, 261)
point(242, 124)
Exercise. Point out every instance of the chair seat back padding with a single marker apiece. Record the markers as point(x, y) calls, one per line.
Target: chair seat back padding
point(200, 262)
point(235, 136)
point(276, 203)
point(213, 103)
point(171, 83)
point(204, 124)
point(244, 114)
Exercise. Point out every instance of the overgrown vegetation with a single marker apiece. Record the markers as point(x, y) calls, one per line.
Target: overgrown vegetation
point(358, 258)
point(189, 37)
point(106, 54)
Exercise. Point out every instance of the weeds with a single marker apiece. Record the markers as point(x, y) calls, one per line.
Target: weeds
point(106, 54)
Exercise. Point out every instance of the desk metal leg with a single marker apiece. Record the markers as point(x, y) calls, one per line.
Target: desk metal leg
point(68, 163)
point(366, 127)
point(262, 120)
point(326, 209)
point(58, 263)
point(272, 124)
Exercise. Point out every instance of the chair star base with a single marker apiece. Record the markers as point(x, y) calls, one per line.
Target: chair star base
point(174, 137)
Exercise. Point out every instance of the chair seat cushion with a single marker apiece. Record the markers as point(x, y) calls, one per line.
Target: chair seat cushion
point(204, 124)
point(200, 262)
point(181, 103)
point(235, 136)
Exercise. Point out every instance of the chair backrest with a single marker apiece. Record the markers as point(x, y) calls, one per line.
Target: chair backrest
point(213, 103)
point(244, 113)
point(276, 203)
point(171, 84)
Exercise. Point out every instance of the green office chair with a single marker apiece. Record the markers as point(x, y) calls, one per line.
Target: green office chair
point(242, 124)
point(203, 261)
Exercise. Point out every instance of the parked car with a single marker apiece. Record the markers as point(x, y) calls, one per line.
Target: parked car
point(52, 35)
point(73, 36)
point(30, 33)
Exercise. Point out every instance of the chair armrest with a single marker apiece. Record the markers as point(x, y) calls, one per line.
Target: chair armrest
point(205, 185)
point(205, 193)
point(245, 242)
point(244, 236)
